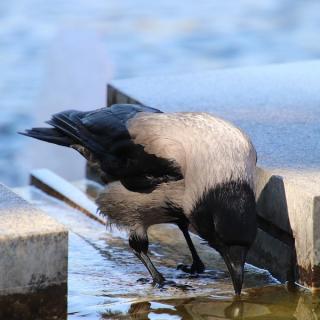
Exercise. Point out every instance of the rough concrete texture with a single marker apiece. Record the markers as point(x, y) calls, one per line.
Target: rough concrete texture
point(33, 249)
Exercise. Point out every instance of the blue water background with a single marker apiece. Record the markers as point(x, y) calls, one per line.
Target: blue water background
point(137, 38)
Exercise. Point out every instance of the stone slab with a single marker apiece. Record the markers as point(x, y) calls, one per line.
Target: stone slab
point(33, 249)
point(277, 105)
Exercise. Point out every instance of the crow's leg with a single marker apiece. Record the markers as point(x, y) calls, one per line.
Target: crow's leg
point(197, 265)
point(139, 243)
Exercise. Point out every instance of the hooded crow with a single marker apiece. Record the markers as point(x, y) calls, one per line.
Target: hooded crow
point(182, 168)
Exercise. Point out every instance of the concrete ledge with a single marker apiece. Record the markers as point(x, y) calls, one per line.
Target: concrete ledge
point(251, 97)
point(57, 187)
point(33, 249)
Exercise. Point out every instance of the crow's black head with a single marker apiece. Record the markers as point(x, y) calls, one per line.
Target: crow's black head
point(225, 217)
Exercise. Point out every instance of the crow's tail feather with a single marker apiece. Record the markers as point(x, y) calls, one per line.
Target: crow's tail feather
point(51, 135)
point(69, 124)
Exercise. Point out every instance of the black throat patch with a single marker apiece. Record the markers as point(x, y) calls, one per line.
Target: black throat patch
point(226, 214)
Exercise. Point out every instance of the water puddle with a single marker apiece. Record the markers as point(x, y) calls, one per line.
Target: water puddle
point(103, 278)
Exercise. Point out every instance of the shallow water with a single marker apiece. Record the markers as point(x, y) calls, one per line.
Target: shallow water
point(103, 274)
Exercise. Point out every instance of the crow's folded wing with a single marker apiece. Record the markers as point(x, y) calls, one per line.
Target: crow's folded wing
point(103, 135)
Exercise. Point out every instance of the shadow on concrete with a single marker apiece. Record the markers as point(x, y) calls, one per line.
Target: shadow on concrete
point(274, 248)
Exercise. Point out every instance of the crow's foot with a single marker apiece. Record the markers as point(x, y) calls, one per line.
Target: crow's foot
point(144, 280)
point(196, 267)
point(169, 284)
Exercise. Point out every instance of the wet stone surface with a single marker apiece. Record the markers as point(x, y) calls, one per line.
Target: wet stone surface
point(103, 278)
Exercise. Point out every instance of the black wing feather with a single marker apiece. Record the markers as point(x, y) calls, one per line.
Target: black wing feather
point(104, 134)
point(51, 135)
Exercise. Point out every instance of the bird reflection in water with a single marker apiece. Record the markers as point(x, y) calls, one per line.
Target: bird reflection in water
point(274, 302)
point(187, 309)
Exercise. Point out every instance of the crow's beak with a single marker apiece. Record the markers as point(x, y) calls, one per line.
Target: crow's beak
point(234, 257)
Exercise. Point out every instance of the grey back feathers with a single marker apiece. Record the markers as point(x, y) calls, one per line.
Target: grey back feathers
point(209, 150)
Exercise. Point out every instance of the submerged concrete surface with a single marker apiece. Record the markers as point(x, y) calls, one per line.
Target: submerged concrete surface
point(33, 247)
point(278, 106)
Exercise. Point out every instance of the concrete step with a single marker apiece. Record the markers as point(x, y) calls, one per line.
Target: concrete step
point(34, 247)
